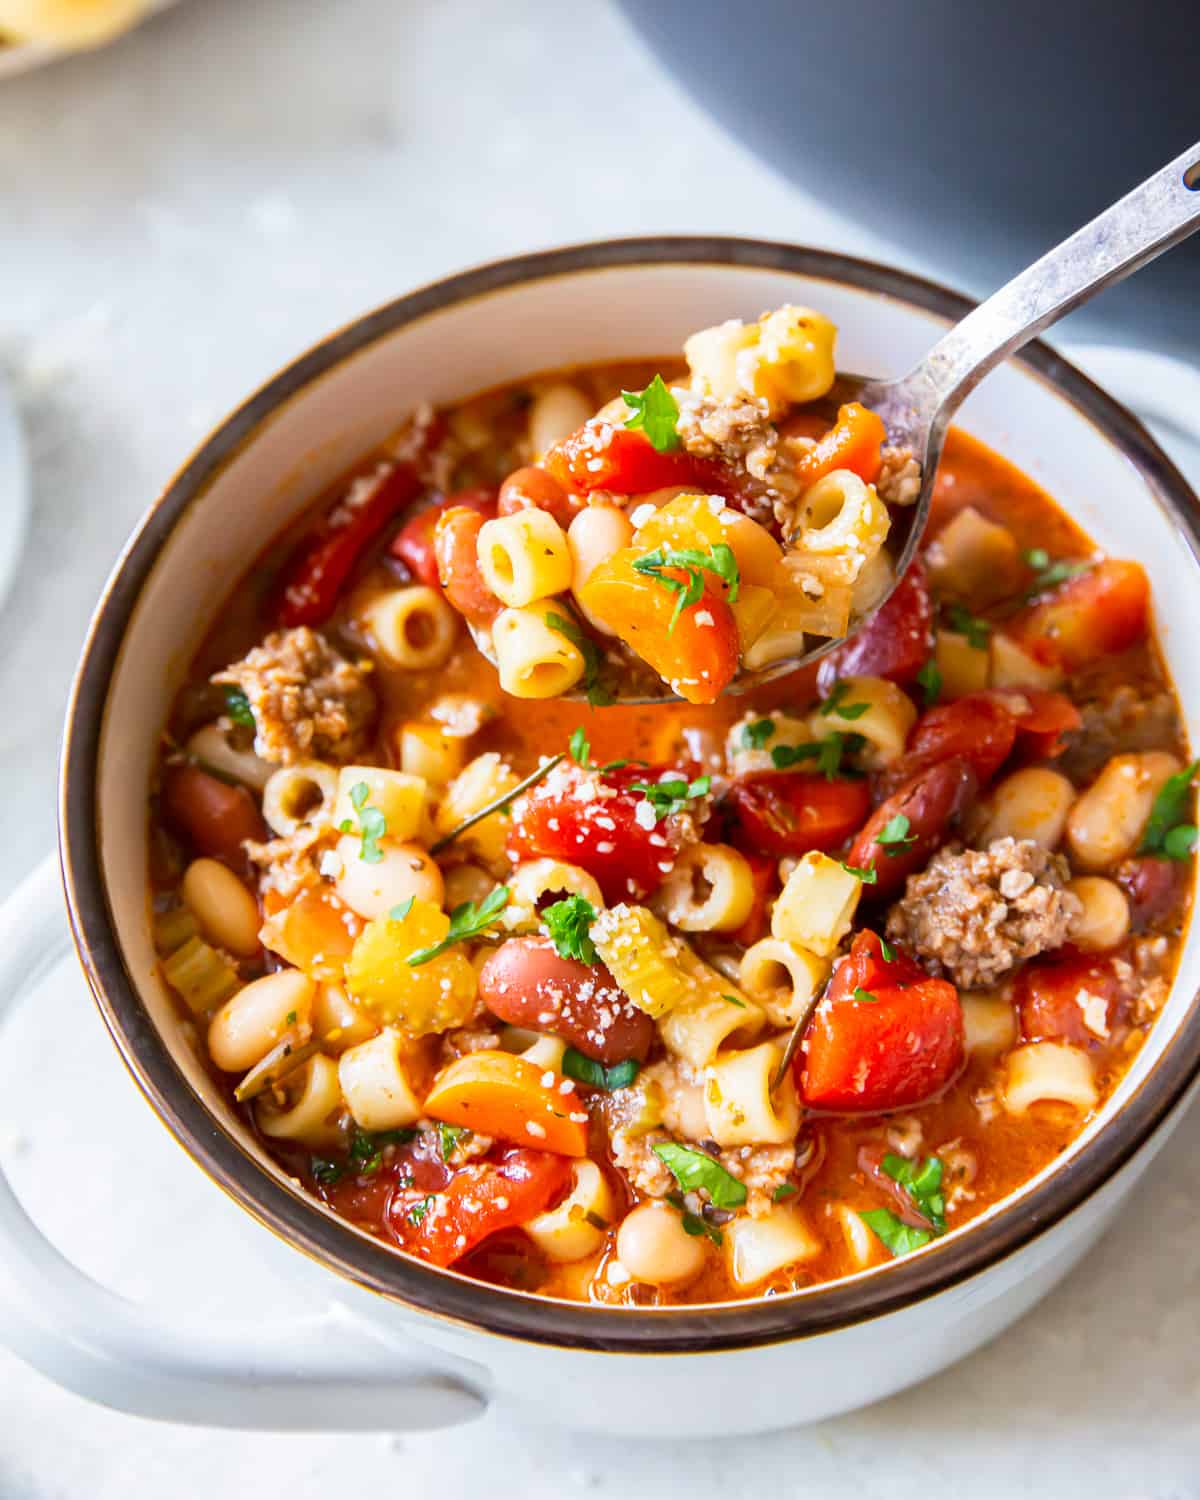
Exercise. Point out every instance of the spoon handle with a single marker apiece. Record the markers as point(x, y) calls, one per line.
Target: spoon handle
point(1156, 215)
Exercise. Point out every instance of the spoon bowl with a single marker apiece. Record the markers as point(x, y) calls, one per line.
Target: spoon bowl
point(917, 409)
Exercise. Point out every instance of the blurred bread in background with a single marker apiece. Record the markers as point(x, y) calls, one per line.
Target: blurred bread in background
point(68, 23)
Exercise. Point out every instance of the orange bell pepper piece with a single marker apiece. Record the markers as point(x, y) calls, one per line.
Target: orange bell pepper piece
point(855, 441)
point(496, 1093)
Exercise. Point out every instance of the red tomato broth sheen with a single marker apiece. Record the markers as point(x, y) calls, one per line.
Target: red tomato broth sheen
point(962, 1120)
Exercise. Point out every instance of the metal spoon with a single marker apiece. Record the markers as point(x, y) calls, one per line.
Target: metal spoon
point(917, 408)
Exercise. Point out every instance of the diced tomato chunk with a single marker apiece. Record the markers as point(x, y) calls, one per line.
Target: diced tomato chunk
point(1101, 611)
point(601, 456)
point(480, 1199)
point(930, 801)
point(413, 543)
point(1078, 999)
point(1042, 725)
point(592, 819)
point(979, 729)
point(895, 642)
point(789, 812)
point(897, 1044)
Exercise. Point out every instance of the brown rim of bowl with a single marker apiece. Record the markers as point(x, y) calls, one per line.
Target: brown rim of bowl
point(300, 1220)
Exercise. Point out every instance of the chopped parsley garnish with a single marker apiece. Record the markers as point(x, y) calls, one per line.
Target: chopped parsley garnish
point(977, 631)
point(929, 680)
point(693, 1170)
point(826, 752)
point(888, 952)
point(865, 997)
point(579, 747)
point(733, 1000)
point(900, 1238)
point(598, 695)
point(372, 824)
point(784, 1190)
point(756, 734)
point(237, 706)
point(466, 921)
point(655, 412)
point(398, 913)
point(1047, 573)
point(596, 1075)
point(693, 1224)
point(569, 923)
point(895, 834)
point(922, 1181)
point(292, 1017)
point(834, 705)
point(418, 1211)
point(667, 797)
point(1166, 833)
point(692, 563)
point(366, 1150)
point(868, 876)
point(448, 1138)
point(325, 1170)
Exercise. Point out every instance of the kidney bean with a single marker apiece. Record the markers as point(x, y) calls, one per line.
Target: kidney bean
point(929, 800)
point(1152, 886)
point(526, 982)
point(454, 544)
point(212, 816)
point(1050, 995)
point(533, 489)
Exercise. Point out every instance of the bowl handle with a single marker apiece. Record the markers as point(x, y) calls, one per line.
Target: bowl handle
point(323, 1370)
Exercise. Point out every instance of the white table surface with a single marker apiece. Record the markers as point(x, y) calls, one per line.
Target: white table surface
point(179, 215)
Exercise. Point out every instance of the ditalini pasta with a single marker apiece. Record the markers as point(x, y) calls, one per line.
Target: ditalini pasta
point(697, 1001)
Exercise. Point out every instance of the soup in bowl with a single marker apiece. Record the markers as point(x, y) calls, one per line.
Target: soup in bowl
point(778, 1028)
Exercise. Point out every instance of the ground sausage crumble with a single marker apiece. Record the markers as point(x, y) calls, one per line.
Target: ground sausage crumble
point(974, 914)
point(308, 701)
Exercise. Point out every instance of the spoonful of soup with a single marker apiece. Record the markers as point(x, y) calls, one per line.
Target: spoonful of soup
point(713, 531)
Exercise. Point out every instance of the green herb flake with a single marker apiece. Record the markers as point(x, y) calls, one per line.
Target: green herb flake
point(827, 753)
point(398, 913)
point(466, 921)
point(898, 1237)
point(325, 1170)
point(1180, 842)
point(868, 876)
point(887, 951)
point(865, 997)
point(667, 797)
point(292, 1017)
point(693, 1170)
point(579, 746)
point(655, 412)
point(372, 825)
point(692, 563)
point(834, 704)
point(1049, 573)
point(895, 833)
point(929, 680)
point(784, 1190)
point(449, 1137)
point(569, 923)
point(1166, 816)
point(237, 706)
point(977, 631)
point(598, 695)
point(733, 1000)
point(596, 1075)
point(366, 1149)
point(418, 1211)
point(922, 1181)
point(756, 734)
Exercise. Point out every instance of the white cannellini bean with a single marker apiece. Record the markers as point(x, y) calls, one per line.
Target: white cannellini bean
point(1103, 921)
point(246, 1027)
point(592, 537)
point(1108, 820)
point(654, 1247)
point(1029, 804)
point(555, 414)
point(225, 910)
